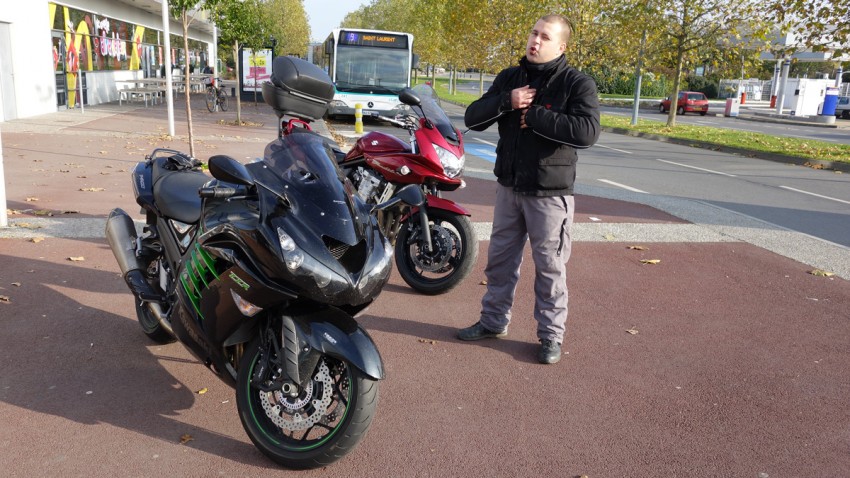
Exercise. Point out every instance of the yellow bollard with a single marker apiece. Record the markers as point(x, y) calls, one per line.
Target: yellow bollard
point(358, 118)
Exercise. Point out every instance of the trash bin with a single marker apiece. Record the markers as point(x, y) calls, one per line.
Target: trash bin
point(732, 105)
point(743, 97)
point(830, 101)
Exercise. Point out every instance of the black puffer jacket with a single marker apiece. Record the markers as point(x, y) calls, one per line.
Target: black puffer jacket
point(541, 159)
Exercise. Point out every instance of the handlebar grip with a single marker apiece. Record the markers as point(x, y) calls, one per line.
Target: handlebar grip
point(217, 192)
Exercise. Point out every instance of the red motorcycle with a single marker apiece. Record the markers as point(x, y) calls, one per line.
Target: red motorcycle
point(435, 245)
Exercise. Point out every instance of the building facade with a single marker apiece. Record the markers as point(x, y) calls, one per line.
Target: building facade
point(57, 54)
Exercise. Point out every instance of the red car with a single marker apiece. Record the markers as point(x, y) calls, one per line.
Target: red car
point(689, 101)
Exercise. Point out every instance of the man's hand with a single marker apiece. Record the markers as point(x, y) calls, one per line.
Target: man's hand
point(522, 124)
point(522, 97)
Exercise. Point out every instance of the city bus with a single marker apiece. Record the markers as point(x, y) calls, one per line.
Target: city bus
point(369, 67)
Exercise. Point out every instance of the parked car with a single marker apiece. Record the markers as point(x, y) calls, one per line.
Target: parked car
point(689, 101)
point(842, 109)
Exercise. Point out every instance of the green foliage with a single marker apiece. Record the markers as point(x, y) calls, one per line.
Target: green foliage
point(619, 82)
point(704, 84)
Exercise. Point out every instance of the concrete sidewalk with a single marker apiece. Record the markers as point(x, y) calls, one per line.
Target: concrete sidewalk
point(726, 358)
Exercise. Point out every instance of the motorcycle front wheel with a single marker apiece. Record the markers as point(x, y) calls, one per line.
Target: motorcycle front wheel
point(453, 255)
point(319, 426)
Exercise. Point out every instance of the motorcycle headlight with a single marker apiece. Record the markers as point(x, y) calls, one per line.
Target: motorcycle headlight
point(379, 269)
point(301, 264)
point(452, 165)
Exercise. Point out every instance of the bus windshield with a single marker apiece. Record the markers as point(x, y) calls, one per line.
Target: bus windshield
point(362, 69)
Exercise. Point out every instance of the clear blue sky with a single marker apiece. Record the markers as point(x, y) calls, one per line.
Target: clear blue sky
point(325, 15)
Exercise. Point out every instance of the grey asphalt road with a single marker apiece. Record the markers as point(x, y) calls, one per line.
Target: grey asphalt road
point(814, 202)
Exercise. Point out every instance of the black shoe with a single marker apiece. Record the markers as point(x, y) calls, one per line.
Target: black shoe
point(550, 351)
point(478, 332)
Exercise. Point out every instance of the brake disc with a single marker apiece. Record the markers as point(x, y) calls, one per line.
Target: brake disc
point(442, 241)
point(304, 411)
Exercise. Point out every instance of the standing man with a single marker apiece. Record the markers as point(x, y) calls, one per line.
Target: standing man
point(546, 110)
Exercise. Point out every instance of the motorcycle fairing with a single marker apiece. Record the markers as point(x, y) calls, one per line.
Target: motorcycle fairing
point(420, 172)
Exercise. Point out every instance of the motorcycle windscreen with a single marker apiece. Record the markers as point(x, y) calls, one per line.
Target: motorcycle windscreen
point(317, 190)
point(433, 111)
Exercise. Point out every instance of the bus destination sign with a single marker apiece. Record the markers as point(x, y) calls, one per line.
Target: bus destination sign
point(385, 40)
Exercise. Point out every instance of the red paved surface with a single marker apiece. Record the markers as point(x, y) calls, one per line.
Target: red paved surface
point(738, 367)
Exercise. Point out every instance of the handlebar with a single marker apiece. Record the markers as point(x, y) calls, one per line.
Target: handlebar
point(406, 122)
point(218, 192)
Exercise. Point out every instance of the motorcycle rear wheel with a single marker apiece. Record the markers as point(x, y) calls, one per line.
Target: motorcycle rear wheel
point(151, 326)
point(281, 427)
point(456, 250)
point(148, 321)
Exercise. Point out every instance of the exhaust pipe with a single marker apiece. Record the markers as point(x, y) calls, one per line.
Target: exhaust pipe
point(121, 236)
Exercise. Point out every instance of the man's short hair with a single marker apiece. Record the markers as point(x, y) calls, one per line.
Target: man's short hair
point(566, 25)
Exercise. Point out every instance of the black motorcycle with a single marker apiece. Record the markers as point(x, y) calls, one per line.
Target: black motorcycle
point(260, 270)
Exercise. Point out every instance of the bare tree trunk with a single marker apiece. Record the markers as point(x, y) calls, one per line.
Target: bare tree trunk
point(481, 82)
point(238, 92)
point(674, 97)
point(187, 83)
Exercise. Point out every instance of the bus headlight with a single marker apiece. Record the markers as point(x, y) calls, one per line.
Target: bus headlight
point(452, 165)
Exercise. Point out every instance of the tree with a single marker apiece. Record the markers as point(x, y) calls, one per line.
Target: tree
point(287, 23)
point(691, 28)
point(239, 21)
point(818, 24)
point(185, 11)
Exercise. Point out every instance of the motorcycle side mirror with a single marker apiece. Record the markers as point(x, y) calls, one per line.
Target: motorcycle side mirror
point(410, 195)
point(227, 169)
point(408, 97)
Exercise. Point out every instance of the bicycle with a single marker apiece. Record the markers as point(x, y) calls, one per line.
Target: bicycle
point(216, 97)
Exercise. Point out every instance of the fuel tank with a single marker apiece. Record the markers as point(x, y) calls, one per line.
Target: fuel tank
point(376, 142)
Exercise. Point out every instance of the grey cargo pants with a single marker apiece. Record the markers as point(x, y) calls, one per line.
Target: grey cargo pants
point(546, 223)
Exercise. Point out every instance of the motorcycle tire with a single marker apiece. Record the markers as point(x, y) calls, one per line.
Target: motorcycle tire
point(456, 246)
point(149, 323)
point(275, 423)
point(151, 326)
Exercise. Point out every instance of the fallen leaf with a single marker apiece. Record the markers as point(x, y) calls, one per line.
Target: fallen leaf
point(103, 152)
point(4, 299)
point(36, 239)
point(484, 282)
point(428, 341)
point(27, 225)
point(185, 438)
point(821, 273)
point(609, 237)
point(42, 212)
point(632, 331)
point(202, 391)
point(650, 261)
point(77, 259)
point(16, 284)
point(32, 199)
point(93, 190)
point(638, 248)
point(70, 212)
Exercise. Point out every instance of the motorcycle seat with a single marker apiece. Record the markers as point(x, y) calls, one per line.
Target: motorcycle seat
point(176, 195)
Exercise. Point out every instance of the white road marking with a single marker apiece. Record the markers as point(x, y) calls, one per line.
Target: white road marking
point(700, 169)
point(485, 142)
point(614, 149)
point(627, 188)
point(814, 194)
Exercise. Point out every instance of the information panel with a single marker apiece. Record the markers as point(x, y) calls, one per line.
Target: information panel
point(385, 40)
